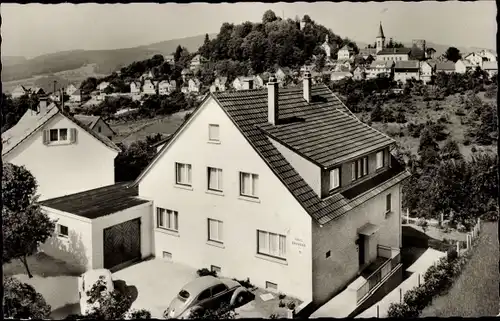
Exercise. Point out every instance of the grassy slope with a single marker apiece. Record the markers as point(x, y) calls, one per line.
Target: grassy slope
point(475, 293)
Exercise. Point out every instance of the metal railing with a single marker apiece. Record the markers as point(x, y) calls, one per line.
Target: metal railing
point(381, 272)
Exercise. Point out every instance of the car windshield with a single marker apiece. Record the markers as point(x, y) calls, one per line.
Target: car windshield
point(183, 295)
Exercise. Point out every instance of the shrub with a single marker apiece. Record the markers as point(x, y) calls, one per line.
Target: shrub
point(421, 222)
point(414, 130)
point(205, 272)
point(246, 283)
point(401, 310)
point(401, 118)
point(139, 314)
point(222, 313)
point(452, 254)
point(281, 296)
point(417, 298)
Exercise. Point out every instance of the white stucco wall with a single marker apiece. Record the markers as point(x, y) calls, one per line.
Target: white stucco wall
point(275, 211)
point(339, 237)
point(65, 169)
point(404, 76)
point(77, 247)
point(143, 211)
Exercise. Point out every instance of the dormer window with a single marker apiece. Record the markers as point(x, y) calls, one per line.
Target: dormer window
point(380, 160)
point(59, 136)
point(334, 178)
point(359, 168)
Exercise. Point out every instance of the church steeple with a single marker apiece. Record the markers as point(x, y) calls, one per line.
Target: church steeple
point(380, 40)
point(380, 31)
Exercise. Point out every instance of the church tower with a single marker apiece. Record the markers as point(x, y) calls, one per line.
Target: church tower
point(380, 38)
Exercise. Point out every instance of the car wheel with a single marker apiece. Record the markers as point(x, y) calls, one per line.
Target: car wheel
point(240, 298)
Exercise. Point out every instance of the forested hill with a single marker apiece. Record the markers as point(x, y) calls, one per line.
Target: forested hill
point(274, 41)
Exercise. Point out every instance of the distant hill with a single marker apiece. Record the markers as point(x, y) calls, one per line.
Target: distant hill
point(12, 60)
point(106, 61)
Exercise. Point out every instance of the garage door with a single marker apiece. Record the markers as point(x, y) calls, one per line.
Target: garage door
point(122, 244)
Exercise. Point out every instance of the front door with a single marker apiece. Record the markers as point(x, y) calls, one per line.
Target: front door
point(361, 249)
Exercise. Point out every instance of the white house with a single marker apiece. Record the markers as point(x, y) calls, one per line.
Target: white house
point(166, 87)
point(63, 154)
point(149, 87)
point(103, 85)
point(491, 67)
point(194, 85)
point(169, 58)
point(346, 52)
point(146, 75)
point(474, 59)
point(405, 70)
point(282, 74)
point(260, 80)
point(359, 73)
point(426, 71)
point(243, 83)
point(463, 66)
point(219, 84)
point(97, 124)
point(380, 68)
point(76, 96)
point(312, 220)
point(196, 62)
point(19, 91)
point(490, 56)
point(135, 87)
point(328, 48)
point(339, 75)
point(394, 54)
point(70, 89)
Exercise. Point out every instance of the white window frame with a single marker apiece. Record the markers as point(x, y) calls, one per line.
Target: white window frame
point(216, 183)
point(59, 232)
point(271, 244)
point(218, 230)
point(58, 131)
point(359, 168)
point(183, 174)
point(253, 186)
point(211, 136)
point(335, 178)
point(380, 159)
point(167, 219)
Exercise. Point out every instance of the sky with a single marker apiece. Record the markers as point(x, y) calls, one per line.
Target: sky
point(34, 29)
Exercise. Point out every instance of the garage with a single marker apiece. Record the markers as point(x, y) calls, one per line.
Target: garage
point(108, 227)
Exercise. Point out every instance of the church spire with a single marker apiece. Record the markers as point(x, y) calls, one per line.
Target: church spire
point(380, 31)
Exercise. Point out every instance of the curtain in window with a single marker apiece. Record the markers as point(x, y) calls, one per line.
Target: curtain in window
point(159, 217)
point(263, 248)
point(212, 178)
point(282, 246)
point(273, 244)
point(213, 229)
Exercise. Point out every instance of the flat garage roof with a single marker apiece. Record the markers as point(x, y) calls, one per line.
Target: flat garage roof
point(98, 202)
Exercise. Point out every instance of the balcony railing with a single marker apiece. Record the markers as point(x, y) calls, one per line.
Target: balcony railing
point(393, 259)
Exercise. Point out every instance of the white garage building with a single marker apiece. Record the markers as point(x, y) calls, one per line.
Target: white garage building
point(108, 227)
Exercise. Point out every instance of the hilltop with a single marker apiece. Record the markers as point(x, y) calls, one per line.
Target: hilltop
point(106, 61)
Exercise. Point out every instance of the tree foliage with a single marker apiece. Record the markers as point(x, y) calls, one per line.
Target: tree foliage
point(453, 54)
point(14, 108)
point(25, 226)
point(21, 301)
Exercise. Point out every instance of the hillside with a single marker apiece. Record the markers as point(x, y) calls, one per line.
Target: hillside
point(106, 61)
point(12, 60)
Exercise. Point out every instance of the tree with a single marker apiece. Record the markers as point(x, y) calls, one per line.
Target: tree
point(88, 85)
point(205, 49)
point(177, 53)
point(14, 109)
point(269, 16)
point(428, 149)
point(132, 160)
point(21, 301)
point(453, 54)
point(377, 113)
point(451, 150)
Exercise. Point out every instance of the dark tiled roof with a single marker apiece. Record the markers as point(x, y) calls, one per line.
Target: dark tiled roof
point(97, 202)
point(329, 134)
point(445, 65)
point(392, 51)
point(410, 64)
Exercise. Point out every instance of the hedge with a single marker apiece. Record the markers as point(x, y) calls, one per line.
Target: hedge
point(438, 279)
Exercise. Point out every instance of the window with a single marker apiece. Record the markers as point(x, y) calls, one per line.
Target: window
point(271, 285)
point(167, 256)
point(183, 174)
point(248, 184)
point(204, 295)
point(334, 178)
point(215, 179)
point(215, 230)
point(215, 269)
point(271, 244)
point(328, 254)
point(388, 205)
point(99, 129)
point(359, 168)
point(62, 230)
point(213, 133)
point(380, 159)
point(60, 134)
point(167, 219)
point(218, 289)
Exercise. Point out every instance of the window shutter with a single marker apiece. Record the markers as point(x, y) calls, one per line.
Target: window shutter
point(45, 137)
point(72, 135)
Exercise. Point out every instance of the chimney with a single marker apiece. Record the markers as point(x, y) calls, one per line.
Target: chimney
point(247, 83)
point(307, 86)
point(272, 100)
point(62, 98)
point(42, 105)
point(54, 91)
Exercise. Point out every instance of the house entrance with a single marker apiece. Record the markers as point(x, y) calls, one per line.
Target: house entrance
point(122, 244)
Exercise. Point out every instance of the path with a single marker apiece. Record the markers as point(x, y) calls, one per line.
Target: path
point(475, 293)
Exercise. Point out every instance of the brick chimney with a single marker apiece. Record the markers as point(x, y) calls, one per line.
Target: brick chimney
point(307, 86)
point(272, 100)
point(42, 105)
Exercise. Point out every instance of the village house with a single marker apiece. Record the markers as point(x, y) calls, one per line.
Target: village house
point(219, 84)
point(429, 53)
point(447, 67)
point(166, 87)
point(319, 218)
point(146, 75)
point(169, 59)
point(243, 83)
point(71, 89)
point(405, 70)
point(103, 85)
point(76, 96)
point(328, 48)
point(19, 91)
point(491, 67)
point(197, 61)
point(62, 154)
point(339, 75)
point(149, 87)
point(394, 54)
point(342, 65)
point(463, 66)
point(260, 80)
point(97, 124)
point(345, 53)
point(194, 85)
point(380, 68)
point(474, 59)
point(186, 73)
point(490, 56)
point(427, 71)
point(37, 91)
point(367, 52)
point(282, 74)
point(359, 73)
point(135, 87)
